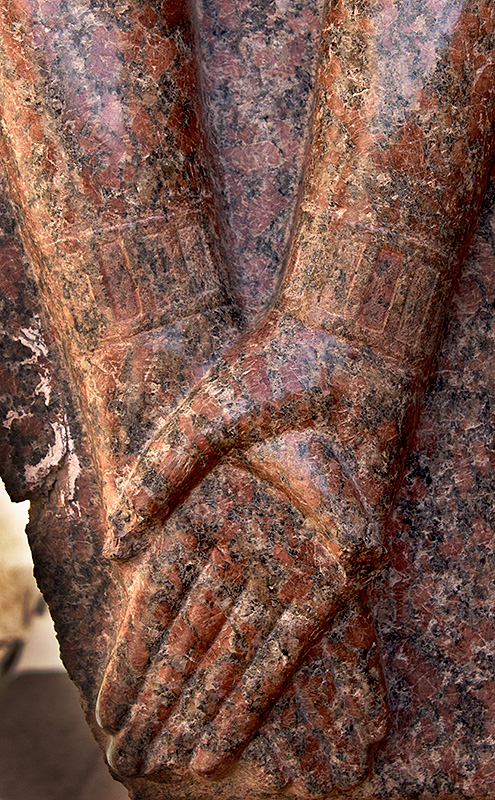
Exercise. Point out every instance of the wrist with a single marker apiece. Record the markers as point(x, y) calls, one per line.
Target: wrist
point(375, 288)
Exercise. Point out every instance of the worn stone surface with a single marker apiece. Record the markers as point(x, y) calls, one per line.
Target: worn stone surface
point(212, 613)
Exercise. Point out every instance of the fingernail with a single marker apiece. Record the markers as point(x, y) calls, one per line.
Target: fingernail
point(123, 763)
point(109, 715)
point(162, 757)
point(204, 762)
point(123, 546)
point(98, 711)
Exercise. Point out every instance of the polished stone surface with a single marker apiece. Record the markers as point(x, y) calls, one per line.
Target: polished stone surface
point(216, 546)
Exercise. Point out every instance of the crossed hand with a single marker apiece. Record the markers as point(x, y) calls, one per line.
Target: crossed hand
point(227, 594)
point(284, 377)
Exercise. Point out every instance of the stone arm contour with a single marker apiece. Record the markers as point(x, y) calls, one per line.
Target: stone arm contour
point(384, 222)
point(369, 275)
point(285, 377)
point(392, 188)
point(385, 217)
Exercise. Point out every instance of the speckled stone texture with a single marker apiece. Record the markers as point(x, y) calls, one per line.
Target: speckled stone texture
point(207, 554)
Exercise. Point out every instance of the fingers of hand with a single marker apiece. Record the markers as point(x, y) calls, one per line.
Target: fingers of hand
point(217, 675)
point(261, 684)
point(181, 647)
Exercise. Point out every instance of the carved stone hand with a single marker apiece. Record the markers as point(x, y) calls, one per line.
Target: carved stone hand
point(224, 604)
point(335, 425)
point(316, 403)
point(285, 377)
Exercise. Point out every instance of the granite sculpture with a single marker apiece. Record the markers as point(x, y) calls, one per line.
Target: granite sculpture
point(216, 489)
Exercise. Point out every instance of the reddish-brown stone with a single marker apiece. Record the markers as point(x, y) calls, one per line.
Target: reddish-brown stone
point(243, 507)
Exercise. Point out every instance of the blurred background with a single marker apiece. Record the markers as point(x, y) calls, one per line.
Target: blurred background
point(46, 749)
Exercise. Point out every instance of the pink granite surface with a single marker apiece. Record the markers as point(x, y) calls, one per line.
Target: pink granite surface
point(432, 607)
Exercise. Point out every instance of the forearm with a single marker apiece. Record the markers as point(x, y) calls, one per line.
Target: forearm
point(383, 223)
point(101, 133)
point(102, 140)
point(402, 144)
